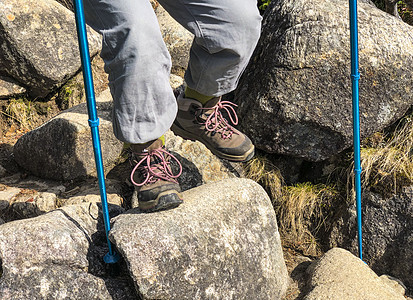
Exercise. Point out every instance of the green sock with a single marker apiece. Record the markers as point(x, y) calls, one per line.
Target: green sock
point(190, 93)
point(162, 138)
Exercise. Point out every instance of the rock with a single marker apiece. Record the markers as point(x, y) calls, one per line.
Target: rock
point(295, 95)
point(31, 198)
point(69, 243)
point(30, 203)
point(297, 266)
point(2, 221)
point(57, 256)
point(394, 283)
point(3, 171)
point(9, 88)
point(61, 149)
point(221, 243)
point(178, 40)
point(39, 44)
point(73, 91)
point(91, 193)
point(7, 194)
point(175, 81)
point(54, 282)
point(199, 165)
point(387, 233)
point(340, 275)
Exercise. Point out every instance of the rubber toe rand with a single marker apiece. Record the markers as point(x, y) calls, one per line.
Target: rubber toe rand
point(165, 201)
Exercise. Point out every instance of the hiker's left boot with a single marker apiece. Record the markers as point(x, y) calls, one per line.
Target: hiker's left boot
point(152, 175)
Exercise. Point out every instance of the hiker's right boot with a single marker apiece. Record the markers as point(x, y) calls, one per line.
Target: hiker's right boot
point(207, 123)
point(153, 178)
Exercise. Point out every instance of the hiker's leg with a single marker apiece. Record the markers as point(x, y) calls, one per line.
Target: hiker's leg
point(138, 65)
point(226, 33)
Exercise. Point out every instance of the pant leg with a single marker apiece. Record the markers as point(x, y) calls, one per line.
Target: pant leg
point(138, 65)
point(226, 33)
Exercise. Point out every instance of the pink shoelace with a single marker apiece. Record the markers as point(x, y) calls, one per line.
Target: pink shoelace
point(152, 161)
point(216, 121)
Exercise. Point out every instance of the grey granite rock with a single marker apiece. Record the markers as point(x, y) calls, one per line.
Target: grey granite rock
point(55, 282)
point(339, 275)
point(39, 46)
point(26, 198)
point(295, 95)
point(58, 256)
point(387, 233)
point(221, 243)
point(200, 165)
point(61, 149)
point(9, 88)
point(178, 40)
point(3, 171)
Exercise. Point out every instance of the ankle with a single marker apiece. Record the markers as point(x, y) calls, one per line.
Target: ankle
point(190, 93)
point(151, 145)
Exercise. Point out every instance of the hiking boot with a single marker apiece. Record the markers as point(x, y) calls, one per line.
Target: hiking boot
point(153, 178)
point(207, 124)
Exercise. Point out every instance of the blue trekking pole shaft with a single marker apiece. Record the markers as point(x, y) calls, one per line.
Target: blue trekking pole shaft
point(110, 257)
point(355, 76)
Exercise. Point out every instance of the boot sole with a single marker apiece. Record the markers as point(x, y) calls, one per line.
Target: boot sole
point(165, 200)
point(235, 158)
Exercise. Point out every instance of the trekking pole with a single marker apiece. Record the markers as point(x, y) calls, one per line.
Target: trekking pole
point(355, 76)
point(111, 257)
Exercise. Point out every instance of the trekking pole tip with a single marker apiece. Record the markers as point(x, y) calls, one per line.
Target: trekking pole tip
point(111, 258)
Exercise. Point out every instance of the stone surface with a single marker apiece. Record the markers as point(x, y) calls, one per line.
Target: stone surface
point(342, 276)
point(39, 44)
point(200, 165)
point(3, 171)
point(394, 283)
point(178, 40)
point(387, 233)
point(53, 283)
point(61, 149)
point(9, 88)
point(91, 193)
point(58, 256)
point(176, 81)
point(26, 198)
point(295, 95)
point(221, 243)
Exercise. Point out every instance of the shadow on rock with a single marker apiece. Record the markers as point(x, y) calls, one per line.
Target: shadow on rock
point(116, 276)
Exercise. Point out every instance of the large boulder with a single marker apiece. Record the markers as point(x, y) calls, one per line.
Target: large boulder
point(39, 45)
point(339, 275)
point(221, 243)
point(62, 148)
point(387, 233)
point(58, 256)
point(295, 95)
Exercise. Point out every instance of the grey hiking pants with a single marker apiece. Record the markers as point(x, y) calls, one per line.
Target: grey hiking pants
point(138, 63)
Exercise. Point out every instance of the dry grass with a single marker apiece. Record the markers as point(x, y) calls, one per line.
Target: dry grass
point(261, 170)
point(299, 208)
point(21, 112)
point(301, 211)
point(387, 163)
